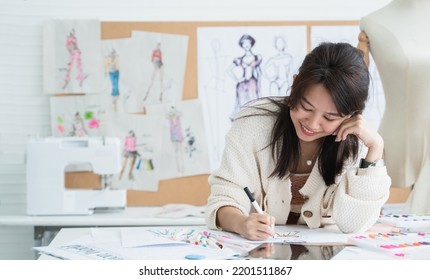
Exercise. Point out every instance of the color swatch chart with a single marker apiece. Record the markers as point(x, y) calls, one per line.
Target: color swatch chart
point(405, 220)
point(398, 245)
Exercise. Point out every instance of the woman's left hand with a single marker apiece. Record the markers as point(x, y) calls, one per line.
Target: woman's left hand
point(358, 126)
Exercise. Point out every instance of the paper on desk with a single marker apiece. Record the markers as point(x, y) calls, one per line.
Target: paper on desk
point(196, 236)
point(300, 234)
point(138, 236)
point(134, 237)
point(85, 248)
point(313, 236)
point(103, 235)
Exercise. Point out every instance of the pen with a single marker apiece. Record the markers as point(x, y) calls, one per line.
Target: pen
point(253, 202)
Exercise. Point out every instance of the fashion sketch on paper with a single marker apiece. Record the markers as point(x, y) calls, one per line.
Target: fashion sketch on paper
point(75, 60)
point(78, 126)
point(176, 136)
point(246, 71)
point(111, 63)
point(129, 154)
point(157, 71)
point(279, 69)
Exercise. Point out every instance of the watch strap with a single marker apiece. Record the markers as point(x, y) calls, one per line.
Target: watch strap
point(365, 164)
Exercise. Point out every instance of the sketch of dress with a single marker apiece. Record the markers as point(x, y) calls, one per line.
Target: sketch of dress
point(78, 126)
point(176, 136)
point(248, 81)
point(74, 57)
point(112, 67)
point(278, 69)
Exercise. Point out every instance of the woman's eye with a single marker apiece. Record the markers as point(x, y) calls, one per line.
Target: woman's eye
point(306, 109)
point(332, 118)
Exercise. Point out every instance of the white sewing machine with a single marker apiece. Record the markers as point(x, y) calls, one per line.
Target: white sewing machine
point(47, 160)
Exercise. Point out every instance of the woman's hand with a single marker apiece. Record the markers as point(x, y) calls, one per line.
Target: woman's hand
point(253, 227)
point(358, 126)
point(257, 227)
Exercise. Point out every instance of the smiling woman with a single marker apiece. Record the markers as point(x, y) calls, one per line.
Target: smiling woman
point(300, 155)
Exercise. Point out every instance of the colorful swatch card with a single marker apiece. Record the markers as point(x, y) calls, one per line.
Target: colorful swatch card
point(397, 244)
point(405, 220)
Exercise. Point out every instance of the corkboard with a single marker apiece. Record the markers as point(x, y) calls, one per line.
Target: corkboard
point(195, 189)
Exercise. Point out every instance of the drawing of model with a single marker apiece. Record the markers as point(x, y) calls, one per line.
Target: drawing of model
point(190, 147)
point(176, 136)
point(129, 154)
point(157, 63)
point(78, 126)
point(278, 69)
point(111, 62)
point(248, 79)
point(214, 93)
point(74, 57)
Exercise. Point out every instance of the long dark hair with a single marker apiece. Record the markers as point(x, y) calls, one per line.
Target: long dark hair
point(341, 69)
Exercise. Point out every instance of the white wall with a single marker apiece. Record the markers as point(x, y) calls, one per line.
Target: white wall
point(24, 110)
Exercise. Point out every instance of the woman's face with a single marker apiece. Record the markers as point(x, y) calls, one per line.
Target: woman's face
point(316, 116)
point(246, 44)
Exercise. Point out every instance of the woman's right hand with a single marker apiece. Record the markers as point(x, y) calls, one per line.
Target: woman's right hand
point(257, 226)
point(253, 227)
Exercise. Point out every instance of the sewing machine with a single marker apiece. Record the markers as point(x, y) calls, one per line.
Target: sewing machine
point(47, 161)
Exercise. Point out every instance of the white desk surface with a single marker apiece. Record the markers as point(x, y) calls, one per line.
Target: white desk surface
point(130, 216)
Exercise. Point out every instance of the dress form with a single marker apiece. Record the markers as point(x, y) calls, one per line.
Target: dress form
point(399, 40)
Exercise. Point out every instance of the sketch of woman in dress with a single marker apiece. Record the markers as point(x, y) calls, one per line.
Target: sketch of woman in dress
point(78, 126)
point(278, 69)
point(157, 62)
point(129, 154)
point(111, 62)
point(248, 78)
point(176, 136)
point(74, 57)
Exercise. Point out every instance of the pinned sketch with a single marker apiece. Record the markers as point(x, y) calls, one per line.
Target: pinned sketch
point(246, 71)
point(141, 141)
point(375, 106)
point(71, 56)
point(159, 68)
point(240, 64)
point(278, 69)
point(78, 116)
point(184, 150)
point(117, 66)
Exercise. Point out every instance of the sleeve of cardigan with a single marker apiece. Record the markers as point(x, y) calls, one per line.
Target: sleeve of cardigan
point(359, 198)
point(239, 168)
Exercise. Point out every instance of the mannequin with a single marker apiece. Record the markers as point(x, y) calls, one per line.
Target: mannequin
point(399, 41)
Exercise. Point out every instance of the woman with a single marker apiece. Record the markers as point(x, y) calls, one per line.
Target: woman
point(310, 158)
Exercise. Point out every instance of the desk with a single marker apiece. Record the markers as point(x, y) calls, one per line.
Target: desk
point(265, 250)
point(46, 227)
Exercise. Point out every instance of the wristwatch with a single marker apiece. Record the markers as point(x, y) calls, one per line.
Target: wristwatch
point(378, 163)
